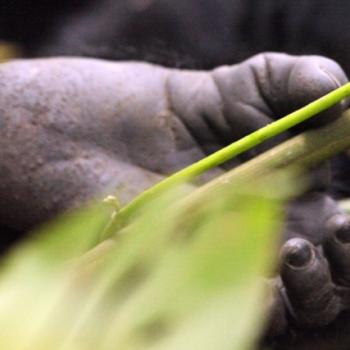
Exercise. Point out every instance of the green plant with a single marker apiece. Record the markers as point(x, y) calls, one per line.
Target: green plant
point(166, 284)
point(237, 148)
point(175, 278)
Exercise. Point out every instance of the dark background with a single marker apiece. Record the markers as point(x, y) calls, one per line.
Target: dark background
point(185, 33)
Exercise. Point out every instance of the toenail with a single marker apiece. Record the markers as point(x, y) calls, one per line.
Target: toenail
point(299, 255)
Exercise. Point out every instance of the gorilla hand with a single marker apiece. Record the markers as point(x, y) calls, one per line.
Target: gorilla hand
point(311, 301)
point(75, 128)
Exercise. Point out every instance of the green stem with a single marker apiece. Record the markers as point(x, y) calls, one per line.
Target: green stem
point(301, 152)
point(235, 149)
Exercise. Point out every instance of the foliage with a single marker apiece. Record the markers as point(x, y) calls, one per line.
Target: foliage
point(234, 149)
point(161, 283)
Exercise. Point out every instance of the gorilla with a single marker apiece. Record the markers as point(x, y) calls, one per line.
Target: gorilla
point(187, 34)
point(183, 87)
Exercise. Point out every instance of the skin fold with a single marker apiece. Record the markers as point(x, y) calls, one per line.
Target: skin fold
point(73, 128)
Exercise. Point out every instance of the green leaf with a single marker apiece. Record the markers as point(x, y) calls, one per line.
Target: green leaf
point(164, 283)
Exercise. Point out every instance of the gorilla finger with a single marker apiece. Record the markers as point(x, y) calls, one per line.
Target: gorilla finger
point(312, 77)
point(287, 83)
point(309, 290)
point(336, 247)
point(277, 314)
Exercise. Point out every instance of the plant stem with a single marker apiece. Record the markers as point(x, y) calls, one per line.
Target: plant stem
point(303, 151)
point(235, 149)
point(300, 152)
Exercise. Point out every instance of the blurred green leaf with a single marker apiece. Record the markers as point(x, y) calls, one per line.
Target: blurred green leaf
point(162, 283)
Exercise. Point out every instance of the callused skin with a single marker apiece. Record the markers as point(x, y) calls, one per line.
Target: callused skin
point(72, 129)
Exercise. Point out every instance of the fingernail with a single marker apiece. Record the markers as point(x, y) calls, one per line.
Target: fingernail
point(298, 254)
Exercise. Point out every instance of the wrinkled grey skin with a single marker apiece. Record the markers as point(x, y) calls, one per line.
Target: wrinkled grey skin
point(72, 129)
